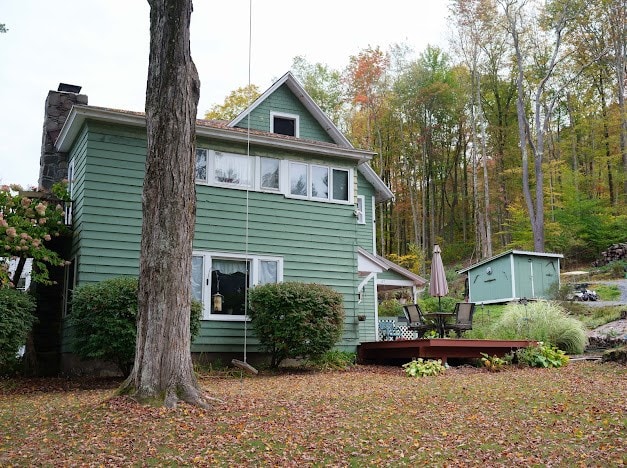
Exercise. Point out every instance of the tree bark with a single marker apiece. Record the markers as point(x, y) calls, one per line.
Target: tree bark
point(163, 370)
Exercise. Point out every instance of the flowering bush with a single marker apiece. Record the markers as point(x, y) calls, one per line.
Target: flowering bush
point(26, 224)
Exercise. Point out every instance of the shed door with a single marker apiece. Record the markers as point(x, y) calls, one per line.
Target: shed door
point(524, 277)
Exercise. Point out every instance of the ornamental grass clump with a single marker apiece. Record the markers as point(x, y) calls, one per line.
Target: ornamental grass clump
point(541, 321)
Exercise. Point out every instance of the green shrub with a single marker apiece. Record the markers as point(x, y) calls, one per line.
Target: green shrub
point(541, 321)
point(541, 355)
point(495, 363)
point(104, 317)
point(430, 303)
point(390, 308)
point(16, 321)
point(296, 319)
point(421, 368)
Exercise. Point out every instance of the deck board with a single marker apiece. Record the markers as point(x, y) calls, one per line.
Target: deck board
point(436, 348)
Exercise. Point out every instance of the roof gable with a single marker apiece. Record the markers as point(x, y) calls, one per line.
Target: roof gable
point(285, 94)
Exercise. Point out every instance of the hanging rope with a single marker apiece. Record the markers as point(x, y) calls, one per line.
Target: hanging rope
point(244, 364)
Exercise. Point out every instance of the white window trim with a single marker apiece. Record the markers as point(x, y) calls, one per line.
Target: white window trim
point(253, 281)
point(360, 211)
point(257, 178)
point(310, 184)
point(284, 178)
point(70, 183)
point(284, 115)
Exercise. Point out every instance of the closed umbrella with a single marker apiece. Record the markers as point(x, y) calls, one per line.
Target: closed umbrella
point(438, 285)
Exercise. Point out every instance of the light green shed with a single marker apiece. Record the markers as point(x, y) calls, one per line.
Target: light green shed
point(512, 275)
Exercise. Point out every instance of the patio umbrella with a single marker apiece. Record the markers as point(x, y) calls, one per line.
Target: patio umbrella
point(438, 285)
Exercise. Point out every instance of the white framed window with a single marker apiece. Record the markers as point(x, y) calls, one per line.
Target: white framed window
point(269, 174)
point(232, 169)
point(230, 275)
point(224, 169)
point(284, 124)
point(360, 210)
point(341, 185)
point(293, 179)
point(69, 283)
point(67, 206)
point(298, 179)
point(320, 182)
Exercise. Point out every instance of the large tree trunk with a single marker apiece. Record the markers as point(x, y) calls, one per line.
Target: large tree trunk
point(163, 365)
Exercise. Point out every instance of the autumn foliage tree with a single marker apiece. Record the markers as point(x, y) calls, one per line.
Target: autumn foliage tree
point(236, 102)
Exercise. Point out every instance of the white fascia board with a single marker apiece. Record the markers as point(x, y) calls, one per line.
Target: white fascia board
point(537, 254)
point(79, 114)
point(395, 282)
point(300, 145)
point(382, 191)
point(370, 263)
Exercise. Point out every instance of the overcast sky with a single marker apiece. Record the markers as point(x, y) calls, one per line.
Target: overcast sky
point(102, 45)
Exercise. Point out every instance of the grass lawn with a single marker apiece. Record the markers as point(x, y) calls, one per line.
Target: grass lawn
point(368, 416)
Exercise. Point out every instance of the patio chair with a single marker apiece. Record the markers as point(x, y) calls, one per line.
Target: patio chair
point(416, 320)
point(463, 317)
point(388, 331)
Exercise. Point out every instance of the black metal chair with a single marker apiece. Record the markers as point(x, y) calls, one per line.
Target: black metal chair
point(416, 320)
point(463, 317)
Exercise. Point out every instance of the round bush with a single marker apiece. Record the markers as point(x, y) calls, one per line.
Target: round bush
point(104, 316)
point(541, 321)
point(296, 319)
point(16, 321)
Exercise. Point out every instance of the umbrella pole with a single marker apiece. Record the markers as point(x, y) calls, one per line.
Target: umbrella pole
point(439, 304)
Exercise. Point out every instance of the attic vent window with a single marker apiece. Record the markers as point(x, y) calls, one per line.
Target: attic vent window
point(284, 124)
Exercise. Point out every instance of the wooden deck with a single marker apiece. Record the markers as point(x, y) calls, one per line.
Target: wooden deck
point(435, 348)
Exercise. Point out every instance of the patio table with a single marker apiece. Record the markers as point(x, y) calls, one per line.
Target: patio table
point(440, 319)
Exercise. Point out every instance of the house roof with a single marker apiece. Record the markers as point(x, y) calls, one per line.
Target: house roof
point(510, 252)
point(386, 264)
point(417, 279)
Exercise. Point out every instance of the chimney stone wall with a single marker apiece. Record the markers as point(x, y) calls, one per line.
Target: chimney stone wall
point(52, 164)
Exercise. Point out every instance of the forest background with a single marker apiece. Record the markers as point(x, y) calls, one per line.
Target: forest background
point(515, 136)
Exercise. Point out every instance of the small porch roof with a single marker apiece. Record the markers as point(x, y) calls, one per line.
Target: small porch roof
point(373, 263)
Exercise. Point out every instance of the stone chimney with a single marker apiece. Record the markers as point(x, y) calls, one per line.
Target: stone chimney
point(53, 165)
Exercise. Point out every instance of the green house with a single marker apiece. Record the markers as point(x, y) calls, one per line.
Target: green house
point(282, 195)
point(512, 275)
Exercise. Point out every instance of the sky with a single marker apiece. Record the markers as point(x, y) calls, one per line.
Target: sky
point(102, 45)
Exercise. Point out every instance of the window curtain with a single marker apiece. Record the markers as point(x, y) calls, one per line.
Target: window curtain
point(197, 277)
point(232, 169)
point(228, 267)
point(267, 272)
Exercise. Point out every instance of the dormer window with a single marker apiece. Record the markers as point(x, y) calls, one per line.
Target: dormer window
point(284, 124)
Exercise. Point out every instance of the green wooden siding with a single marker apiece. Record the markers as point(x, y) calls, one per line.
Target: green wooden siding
point(283, 100)
point(498, 284)
point(535, 275)
point(512, 276)
point(318, 241)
